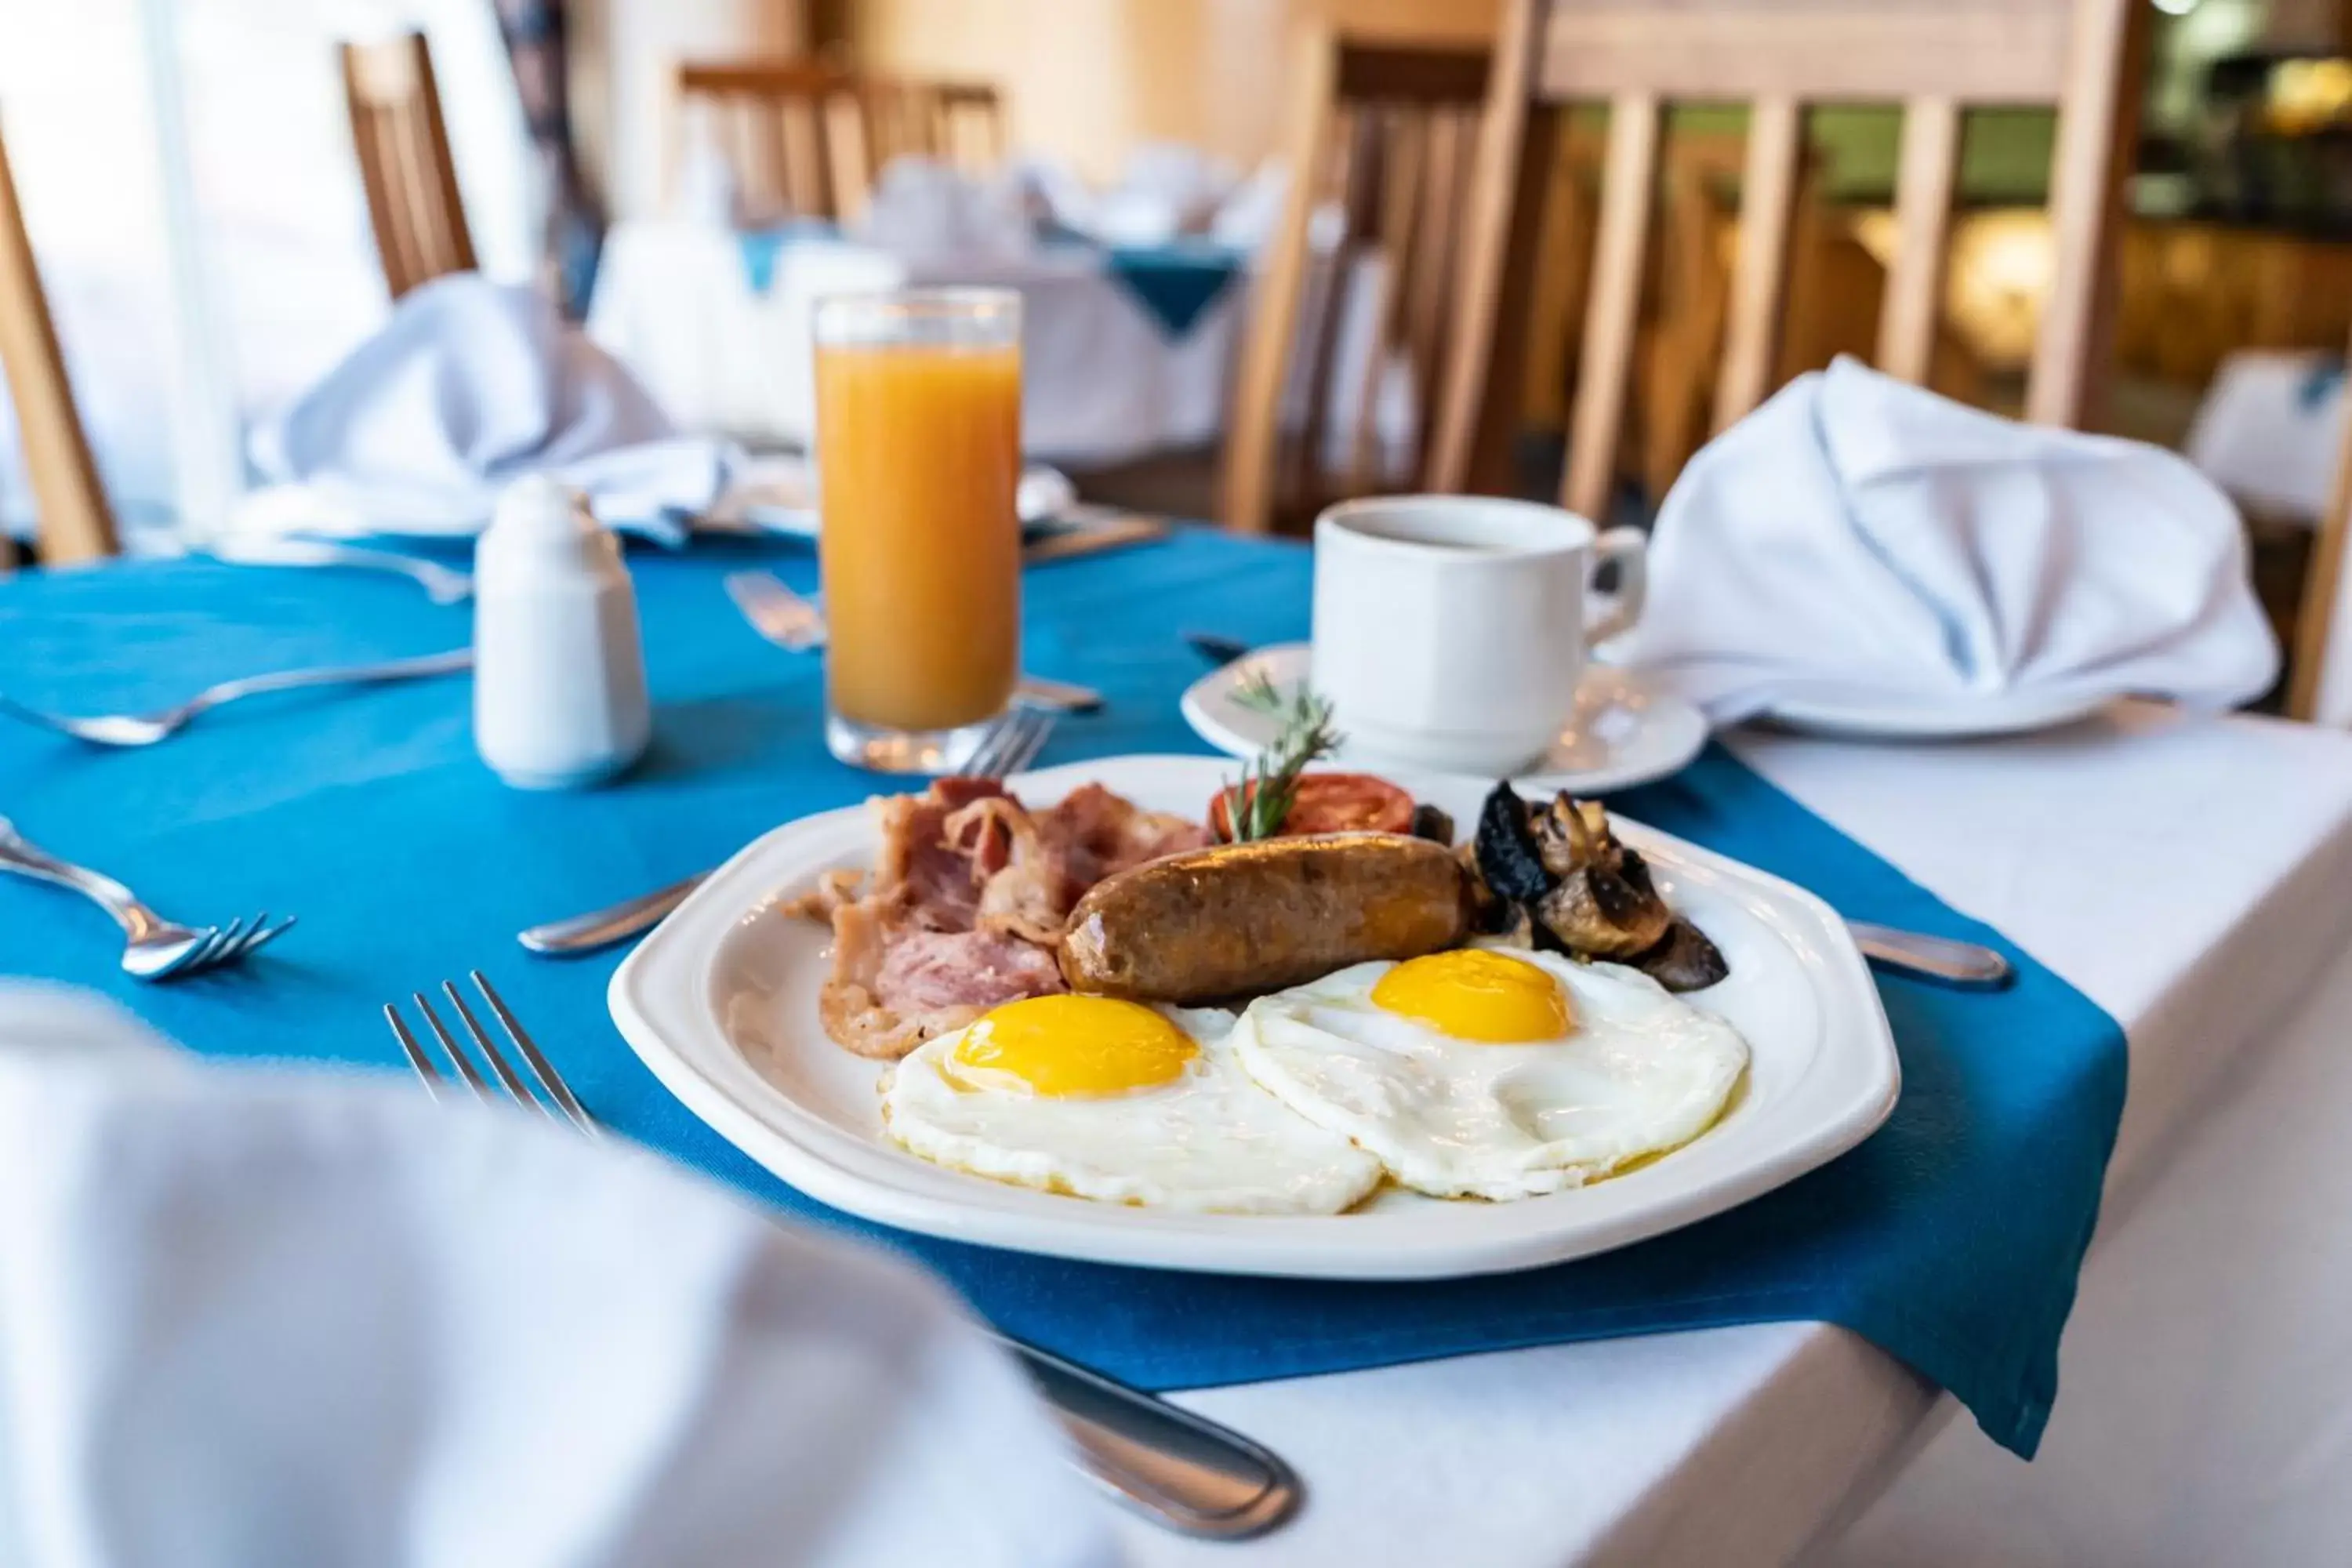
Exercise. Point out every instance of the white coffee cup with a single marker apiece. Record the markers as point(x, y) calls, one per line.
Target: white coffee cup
point(1451, 631)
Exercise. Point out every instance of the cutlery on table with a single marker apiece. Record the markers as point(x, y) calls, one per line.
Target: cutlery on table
point(154, 947)
point(1114, 532)
point(555, 1101)
point(442, 584)
point(1010, 747)
point(794, 623)
point(146, 728)
point(1168, 1465)
point(1969, 966)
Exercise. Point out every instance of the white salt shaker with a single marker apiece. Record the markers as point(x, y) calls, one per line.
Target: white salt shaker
point(558, 672)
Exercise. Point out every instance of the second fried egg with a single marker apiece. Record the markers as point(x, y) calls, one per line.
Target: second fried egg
point(1484, 1074)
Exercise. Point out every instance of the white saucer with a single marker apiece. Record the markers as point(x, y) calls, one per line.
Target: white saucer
point(1624, 732)
point(1863, 716)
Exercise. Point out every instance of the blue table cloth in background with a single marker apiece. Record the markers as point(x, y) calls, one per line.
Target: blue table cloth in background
point(1951, 1238)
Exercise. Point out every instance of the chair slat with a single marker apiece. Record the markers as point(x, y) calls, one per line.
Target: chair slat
point(1927, 170)
point(1630, 171)
point(1760, 285)
point(71, 516)
point(402, 148)
point(2098, 128)
point(825, 132)
point(1406, 133)
point(1252, 438)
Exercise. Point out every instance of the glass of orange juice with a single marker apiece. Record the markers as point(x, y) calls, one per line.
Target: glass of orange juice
point(918, 457)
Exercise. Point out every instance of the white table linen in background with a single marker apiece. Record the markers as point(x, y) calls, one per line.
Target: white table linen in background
point(2271, 429)
point(251, 1317)
point(2192, 876)
point(470, 385)
point(1103, 380)
point(1858, 538)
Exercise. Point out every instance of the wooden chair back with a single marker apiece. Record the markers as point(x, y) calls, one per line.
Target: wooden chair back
point(2319, 665)
point(1934, 58)
point(1382, 132)
point(808, 139)
point(70, 512)
point(403, 145)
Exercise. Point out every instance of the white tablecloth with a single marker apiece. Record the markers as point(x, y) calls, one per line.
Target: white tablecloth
point(1104, 379)
point(2270, 430)
point(2191, 875)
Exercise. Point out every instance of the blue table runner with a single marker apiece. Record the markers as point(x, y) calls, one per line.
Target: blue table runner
point(1951, 1238)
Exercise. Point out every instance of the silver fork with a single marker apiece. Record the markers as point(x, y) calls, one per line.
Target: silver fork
point(1183, 1470)
point(1012, 745)
point(795, 623)
point(559, 1104)
point(1008, 748)
point(153, 948)
point(146, 728)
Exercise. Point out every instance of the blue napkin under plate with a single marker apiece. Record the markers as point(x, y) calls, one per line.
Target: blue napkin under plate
point(1951, 1238)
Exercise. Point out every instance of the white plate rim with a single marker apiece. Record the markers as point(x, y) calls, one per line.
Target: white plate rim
point(2002, 713)
point(660, 1000)
point(1682, 722)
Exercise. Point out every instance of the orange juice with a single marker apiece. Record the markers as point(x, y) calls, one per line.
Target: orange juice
point(918, 457)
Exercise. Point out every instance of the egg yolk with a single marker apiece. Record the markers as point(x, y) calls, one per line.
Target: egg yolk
point(1069, 1047)
point(1475, 994)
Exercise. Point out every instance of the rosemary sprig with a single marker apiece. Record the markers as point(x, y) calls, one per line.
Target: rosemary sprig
point(1256, 807)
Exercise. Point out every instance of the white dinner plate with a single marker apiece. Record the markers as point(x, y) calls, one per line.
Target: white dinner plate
point(1863, 716)
point(1624, 731)
point(720, 1004)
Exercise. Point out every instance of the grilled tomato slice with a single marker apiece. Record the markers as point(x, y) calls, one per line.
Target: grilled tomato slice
point(1331, 803)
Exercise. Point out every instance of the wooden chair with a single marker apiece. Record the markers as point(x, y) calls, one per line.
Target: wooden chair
point(404, 151)
point(808, 139)
point(73, 520)
point(1936, 58)
point(1388, 130)
point(2323, 625)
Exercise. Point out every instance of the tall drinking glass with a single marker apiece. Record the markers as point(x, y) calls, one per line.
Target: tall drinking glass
point(918, 457)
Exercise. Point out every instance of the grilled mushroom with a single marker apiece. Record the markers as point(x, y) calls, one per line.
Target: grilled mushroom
point(1489, 911)
point(1685, 959)
point(1508, 858)
point(1605, 905)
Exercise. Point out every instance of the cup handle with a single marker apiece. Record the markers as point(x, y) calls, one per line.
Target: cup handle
point(1629, 547)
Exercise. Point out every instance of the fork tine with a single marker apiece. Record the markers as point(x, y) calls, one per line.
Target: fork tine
point(983, 756)
point(1036, 727)
point(449, 1048)
point(434, 1081)
point(245, 943)
point(258, 935)
point(198, 955)
point(514, 1085)
point(541, 1068)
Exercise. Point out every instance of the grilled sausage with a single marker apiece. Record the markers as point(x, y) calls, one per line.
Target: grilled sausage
point(1238, 919)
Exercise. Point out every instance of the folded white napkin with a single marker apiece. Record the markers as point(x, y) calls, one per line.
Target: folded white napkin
point(267, 1317)
point(1860, 540)
point(468, 386)
point(1165, 189)
point(924, 210)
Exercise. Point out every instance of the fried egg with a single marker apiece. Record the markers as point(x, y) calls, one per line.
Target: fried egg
point(1480, 1073)
point(1119, 1102)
